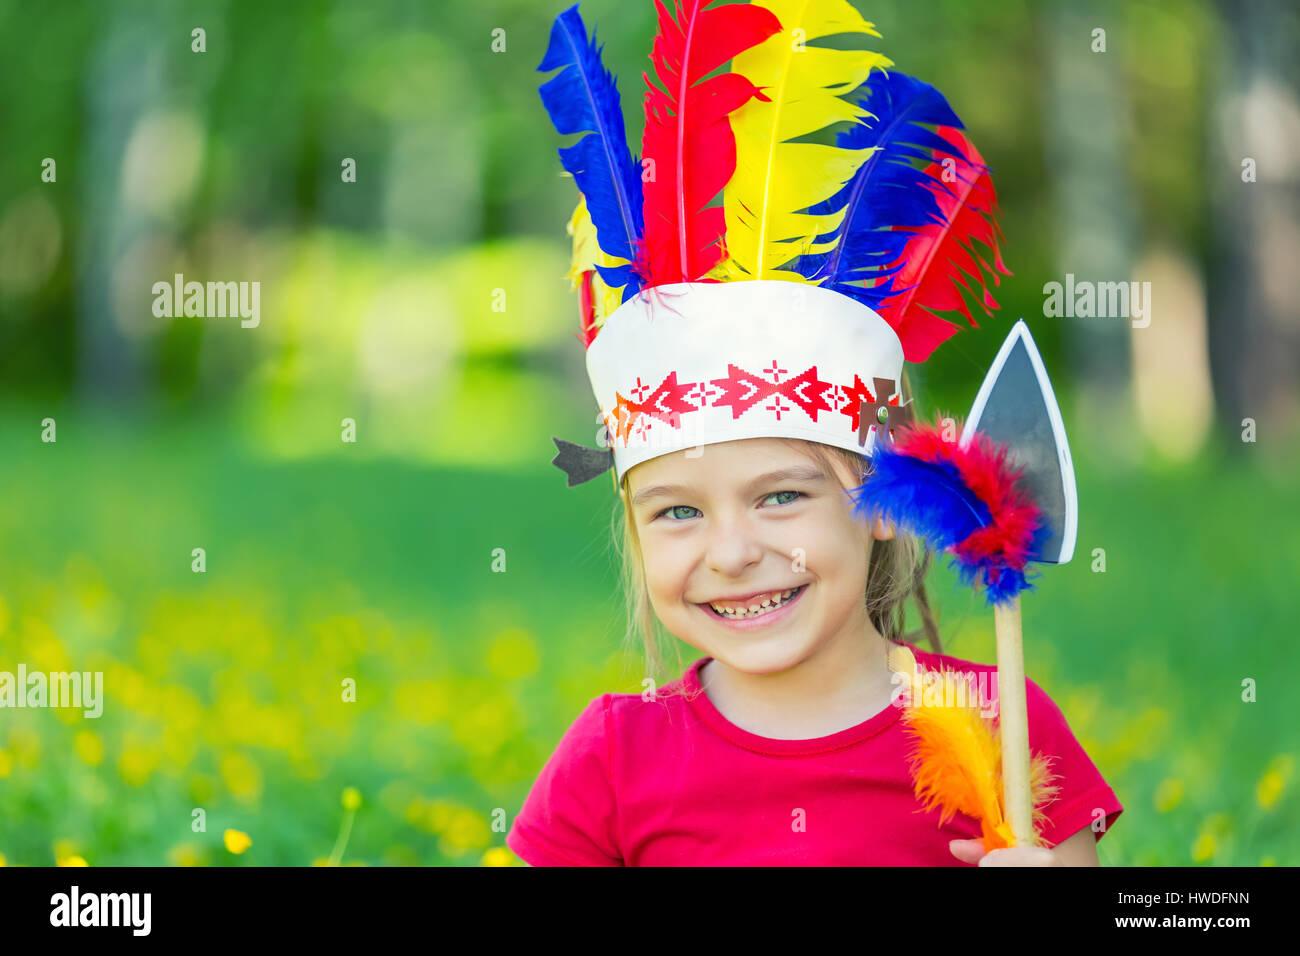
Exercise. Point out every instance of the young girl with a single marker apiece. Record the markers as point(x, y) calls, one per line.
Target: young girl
point(780, 745)
point(743, 392)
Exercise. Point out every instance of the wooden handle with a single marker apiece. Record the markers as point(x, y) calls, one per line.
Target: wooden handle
point(1014, 723)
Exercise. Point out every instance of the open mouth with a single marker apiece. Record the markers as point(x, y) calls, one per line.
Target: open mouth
point(762, 612)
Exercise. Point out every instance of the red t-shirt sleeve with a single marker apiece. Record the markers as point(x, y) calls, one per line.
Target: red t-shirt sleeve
point(1082, 789)
point(570, 816)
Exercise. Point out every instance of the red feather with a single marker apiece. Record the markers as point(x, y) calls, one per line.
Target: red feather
point(941, 259)
point(987, 470)
point(587, 307)
point(688, 134)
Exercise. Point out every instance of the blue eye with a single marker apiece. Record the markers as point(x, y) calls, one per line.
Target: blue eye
point(674, 508)
point(786, 502)
point(797, 494)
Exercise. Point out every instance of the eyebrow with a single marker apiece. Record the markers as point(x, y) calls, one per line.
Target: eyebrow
point(795, 473)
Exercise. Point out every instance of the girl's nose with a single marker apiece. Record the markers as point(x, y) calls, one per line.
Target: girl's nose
point(732, 548)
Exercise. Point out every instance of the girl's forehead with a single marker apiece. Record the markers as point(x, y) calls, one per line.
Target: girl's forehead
point(724, 464)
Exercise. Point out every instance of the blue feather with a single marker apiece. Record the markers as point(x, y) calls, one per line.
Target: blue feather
point(583, 98)
point(888, 190)
point(929, 498)
point(932, 501)
point(1002, 584)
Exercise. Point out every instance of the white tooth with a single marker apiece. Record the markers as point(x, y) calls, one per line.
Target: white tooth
point(772, 601)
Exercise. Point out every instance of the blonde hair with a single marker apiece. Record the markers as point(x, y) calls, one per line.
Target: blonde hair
point(896, 570)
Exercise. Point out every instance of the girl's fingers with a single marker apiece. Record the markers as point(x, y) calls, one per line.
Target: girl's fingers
point(968, 851)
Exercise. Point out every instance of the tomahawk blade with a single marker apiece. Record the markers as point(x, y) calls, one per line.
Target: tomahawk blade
point(1016, 407)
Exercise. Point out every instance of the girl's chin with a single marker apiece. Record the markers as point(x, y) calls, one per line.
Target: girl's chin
point(757, 661)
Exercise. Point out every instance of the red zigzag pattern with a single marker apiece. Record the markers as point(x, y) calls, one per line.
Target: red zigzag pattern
point(741, 390)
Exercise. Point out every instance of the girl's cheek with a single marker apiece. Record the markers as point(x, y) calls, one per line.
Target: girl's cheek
point(806, 543)
point(665, 569)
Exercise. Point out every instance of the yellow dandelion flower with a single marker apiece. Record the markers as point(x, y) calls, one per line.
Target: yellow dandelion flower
point(1269, 788)
point(422, 701)
point(138, 761)
point(2, 860)
point(237, 841)
point(498, 856)
point(432, 816)
point(1273, 782)
point(73, 861)
point(467, 830)
point(1203, 848)
point(1168, 795)
point(1217, 823)
point(483, 726)
point(243, 778)
point(89, 748)
point(26, 747)
point(513, 654)
point(351, 800)
point(185, 854)
point(449, 849)
point(437, 816)
point(417, 812)
point(130, 684)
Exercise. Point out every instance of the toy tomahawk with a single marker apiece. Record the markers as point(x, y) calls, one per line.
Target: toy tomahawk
point(1001, 495)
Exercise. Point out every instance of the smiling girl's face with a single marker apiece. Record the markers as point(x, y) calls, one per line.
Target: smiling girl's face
point(743, 521)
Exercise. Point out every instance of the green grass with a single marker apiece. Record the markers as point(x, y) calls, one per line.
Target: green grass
point(223, 688)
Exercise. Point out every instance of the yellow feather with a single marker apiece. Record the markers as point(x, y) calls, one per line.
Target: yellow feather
point(956, 763)
point(586, 256)
point(774, 177)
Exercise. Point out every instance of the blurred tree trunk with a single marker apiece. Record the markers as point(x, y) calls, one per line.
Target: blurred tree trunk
point(121, 80)
point(1255, 240)
point(1086, 110)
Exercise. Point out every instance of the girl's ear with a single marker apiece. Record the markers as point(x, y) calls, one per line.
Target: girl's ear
point(881, 531)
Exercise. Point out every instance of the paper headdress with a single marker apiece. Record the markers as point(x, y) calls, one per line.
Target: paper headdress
point(787, 309)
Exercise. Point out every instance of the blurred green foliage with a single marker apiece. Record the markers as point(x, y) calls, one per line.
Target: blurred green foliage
point(372, 561)
point(226, 163)
point(224, 689)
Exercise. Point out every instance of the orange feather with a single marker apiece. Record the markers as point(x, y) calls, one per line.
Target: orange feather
point(956, 763)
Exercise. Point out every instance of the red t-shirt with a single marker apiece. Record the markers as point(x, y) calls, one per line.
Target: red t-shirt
point(671, 782)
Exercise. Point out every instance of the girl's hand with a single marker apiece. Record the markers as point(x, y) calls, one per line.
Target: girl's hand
point(972, 851)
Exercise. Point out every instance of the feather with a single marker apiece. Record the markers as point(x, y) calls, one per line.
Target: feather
point(928, 497)
point(936, 263)
point(583, 98)
point(688, 137)
point(596, 299)
point(967, 501)
point(775, 178)
point(889, 193)
point(956, 757)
